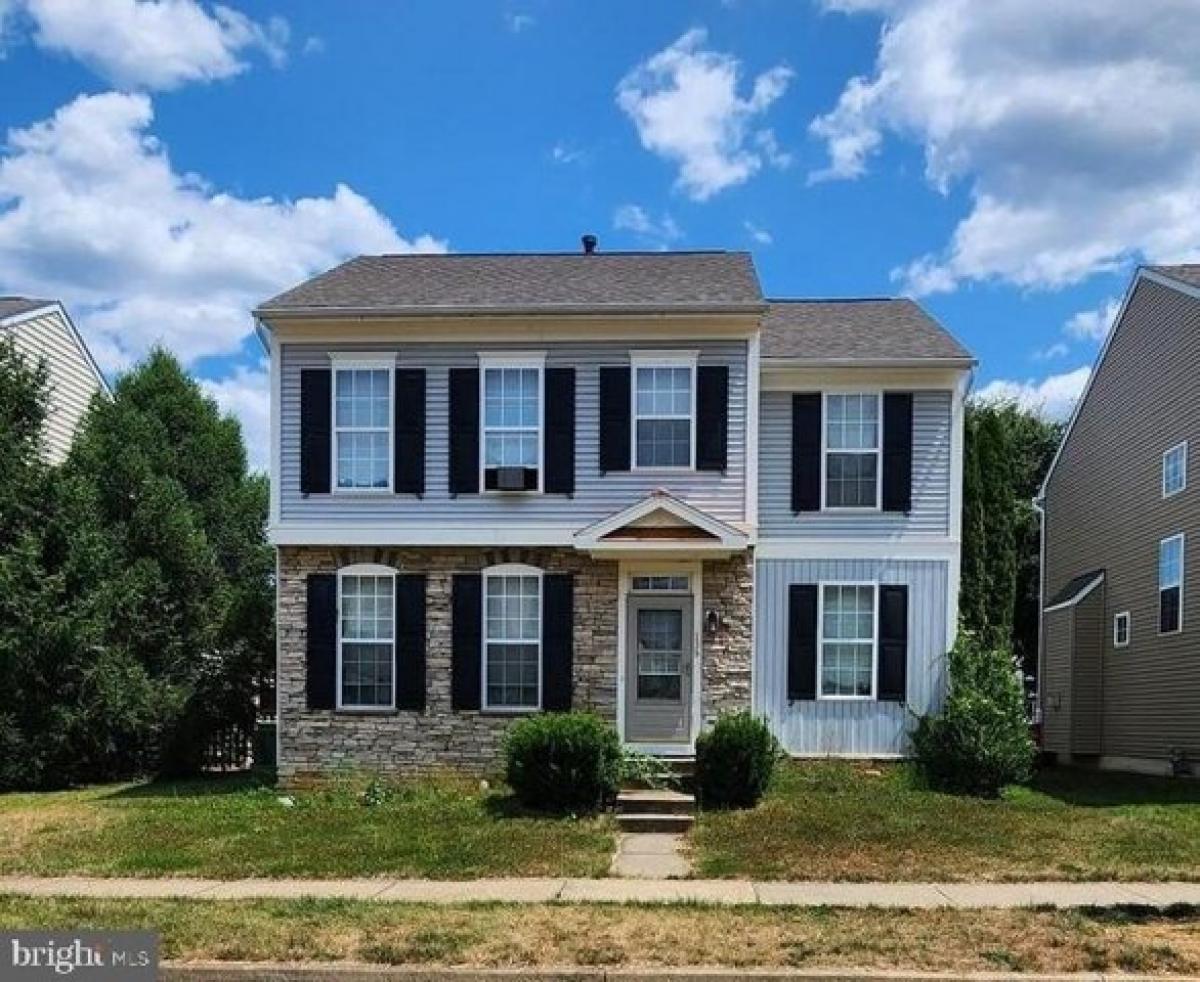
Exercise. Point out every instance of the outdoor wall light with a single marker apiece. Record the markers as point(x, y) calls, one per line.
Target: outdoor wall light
point(712, 621)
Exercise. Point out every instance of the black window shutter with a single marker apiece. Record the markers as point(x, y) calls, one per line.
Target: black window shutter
point(892, 682)
point(464, 431)
point(315, 429)
point(410, 641)
point(560, 431)
point(320, 668)
point(712, 417)
point(897, 451)
point(409, 464)
point(802, 641)
point(466, 640)
point(558, 647)
point(614, 419)
point(806, 451)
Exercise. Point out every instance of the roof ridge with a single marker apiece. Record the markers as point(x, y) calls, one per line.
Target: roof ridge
point(877, 299)
point(535, 254)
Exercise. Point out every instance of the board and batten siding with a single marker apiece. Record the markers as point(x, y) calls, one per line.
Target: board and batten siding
point(865, 728)
point(930, 515)
point(73, 380)
point(596, 496)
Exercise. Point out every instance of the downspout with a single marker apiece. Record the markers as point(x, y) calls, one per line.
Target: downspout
point(1039, 505)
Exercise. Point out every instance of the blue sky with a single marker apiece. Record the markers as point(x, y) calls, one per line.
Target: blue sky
point(167, 165)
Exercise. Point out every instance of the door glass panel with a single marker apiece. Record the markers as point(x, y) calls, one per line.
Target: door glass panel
point(660, 654)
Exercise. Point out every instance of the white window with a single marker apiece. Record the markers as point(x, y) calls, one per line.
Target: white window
point(847, 641)
point(664, 412)
point(512, 424)
point(662, 583)
point(512, 649)
point(366, 638)
point(1121, 630)
point(1174, 470)
point(852, 450)
point(1170, 585)
point(362, 425)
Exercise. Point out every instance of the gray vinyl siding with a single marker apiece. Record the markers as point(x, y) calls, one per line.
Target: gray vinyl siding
point(856, 728)
point(1105, 510)
point(73, 381)
point(596, 496)
point(932, 411)
point(1087, 680)
point(1058, 630)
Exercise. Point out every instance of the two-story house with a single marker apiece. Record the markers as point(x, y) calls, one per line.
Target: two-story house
point(1119, 678)
point(621, 482)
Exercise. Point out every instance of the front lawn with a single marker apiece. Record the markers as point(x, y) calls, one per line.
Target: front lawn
point(237, 826)
point(957, 941)
point(831, 820)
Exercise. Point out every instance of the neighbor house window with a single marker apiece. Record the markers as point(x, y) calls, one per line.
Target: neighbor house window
point(664, 413)
point(1174, 470)
point(362, 426)
point(512, 426)
point(1170, 585)
point(847, 641)
point(1121, 629)
point(366, 638)
point(852, 450)
point(512, 663)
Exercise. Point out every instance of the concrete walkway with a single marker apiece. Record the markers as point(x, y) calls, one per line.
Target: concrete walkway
point(534, 891)
point(650, 856)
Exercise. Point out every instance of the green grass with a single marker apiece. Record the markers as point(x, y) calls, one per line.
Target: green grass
point(238, 826)
point(842, 821)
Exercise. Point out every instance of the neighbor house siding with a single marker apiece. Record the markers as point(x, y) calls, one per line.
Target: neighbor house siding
point(930, 513)
point(1105, 510)
point(859, 728)
point(596, 496)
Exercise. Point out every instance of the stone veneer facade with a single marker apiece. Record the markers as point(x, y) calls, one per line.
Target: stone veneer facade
point(313, 743)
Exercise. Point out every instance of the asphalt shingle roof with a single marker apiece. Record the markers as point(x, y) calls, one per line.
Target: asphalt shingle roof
point(1187, 273)
point(614, 281)
point(12, 306)
point(855, 330)
point(1074, 587)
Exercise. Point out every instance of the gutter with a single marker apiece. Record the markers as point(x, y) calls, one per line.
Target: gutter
point(1039, 506)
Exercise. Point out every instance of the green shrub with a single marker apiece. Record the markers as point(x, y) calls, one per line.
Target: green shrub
point(980, 742)
point(566, 762)
point(734, 761)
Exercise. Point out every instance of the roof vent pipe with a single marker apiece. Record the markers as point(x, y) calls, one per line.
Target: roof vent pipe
point(589, 244)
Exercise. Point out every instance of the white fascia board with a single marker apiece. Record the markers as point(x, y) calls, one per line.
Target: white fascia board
point(339, 534)
point(726, 536)
point(912, 548)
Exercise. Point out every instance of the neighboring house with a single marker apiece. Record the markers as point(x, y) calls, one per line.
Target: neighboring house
point(620, 482)
point(1119, 679)
point(41, 330)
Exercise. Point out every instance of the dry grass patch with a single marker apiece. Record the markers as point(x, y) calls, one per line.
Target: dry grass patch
point(513, 936)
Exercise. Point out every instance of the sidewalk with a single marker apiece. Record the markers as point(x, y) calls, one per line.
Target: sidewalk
point(536, 891)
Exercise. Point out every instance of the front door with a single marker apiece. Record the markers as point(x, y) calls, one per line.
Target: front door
point(658, 670)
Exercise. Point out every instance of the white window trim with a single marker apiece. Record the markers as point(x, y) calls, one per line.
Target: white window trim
point(526, 359)
point(1183, 470)
point(1122, 615)
point(365, 569)
point(340, 361)
point(661, 359)
point(509, 569)
point(874, 638)
point(1161, 588)
point(656, 592)
point(825, 451)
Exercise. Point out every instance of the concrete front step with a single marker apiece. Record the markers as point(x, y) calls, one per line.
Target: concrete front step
point(647, 801)
point(654, 822)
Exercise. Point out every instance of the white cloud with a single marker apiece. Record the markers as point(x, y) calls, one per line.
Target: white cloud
point(247, 395)
point(759, 235)
point(1075, 126)
point(93, 212)
point(1094, 324)
point(685, 104)
point(1054, 396)
point(564, 153)
point(154, 44)
point(518, 23)
point(1052, 351)
point(313, 45)
point(659, 233)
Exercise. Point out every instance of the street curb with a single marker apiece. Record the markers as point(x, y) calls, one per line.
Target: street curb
point(355, 972)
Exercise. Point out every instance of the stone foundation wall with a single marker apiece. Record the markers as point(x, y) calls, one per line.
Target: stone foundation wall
point(318, 743)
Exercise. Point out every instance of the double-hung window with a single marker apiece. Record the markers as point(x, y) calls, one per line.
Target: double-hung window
point(512, 424)
point(852, 450)
point(1174, 470)
point(1170, 585)
point(366, 638)
point(664, 411)
point(847, 641)
point(362, 424)
point(512, 646)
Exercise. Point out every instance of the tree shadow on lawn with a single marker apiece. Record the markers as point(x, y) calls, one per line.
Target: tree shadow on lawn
point(1089, 788)
point(202, 786)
